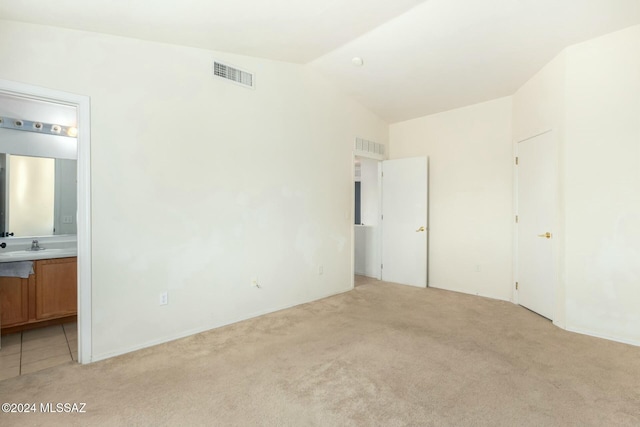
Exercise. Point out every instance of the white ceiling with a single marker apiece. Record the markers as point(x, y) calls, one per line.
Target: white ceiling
point(420, 57)
point(286, 30)
point(445, 54)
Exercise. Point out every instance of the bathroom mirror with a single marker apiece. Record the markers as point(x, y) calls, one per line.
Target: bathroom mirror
point(38, 151)
point(37, 196)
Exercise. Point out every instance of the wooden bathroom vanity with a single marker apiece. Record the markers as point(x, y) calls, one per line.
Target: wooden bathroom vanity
point(47, 297)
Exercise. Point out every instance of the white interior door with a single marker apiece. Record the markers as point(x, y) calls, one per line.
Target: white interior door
point(404, 221)
point(537, 204)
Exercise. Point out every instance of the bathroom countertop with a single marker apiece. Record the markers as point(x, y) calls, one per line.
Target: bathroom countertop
point(48, 253)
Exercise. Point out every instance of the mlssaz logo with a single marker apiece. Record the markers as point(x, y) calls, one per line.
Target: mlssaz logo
point(63, 407)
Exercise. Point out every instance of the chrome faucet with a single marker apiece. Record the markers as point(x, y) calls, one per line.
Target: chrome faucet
point(35, 246)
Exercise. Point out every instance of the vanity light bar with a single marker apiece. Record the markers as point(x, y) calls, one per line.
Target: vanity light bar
point(38, 127)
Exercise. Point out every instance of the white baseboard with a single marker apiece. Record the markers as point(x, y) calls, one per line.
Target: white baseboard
point(603, 336)
point(205, 328)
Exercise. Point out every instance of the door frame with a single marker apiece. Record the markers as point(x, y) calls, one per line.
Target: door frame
point(559, 309)
point(83, 105)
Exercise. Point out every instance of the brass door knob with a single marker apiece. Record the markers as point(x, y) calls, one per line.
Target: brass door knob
point(546, 235)
point(420, 229)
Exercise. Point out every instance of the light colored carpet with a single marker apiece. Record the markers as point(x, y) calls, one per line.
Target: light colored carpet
point(380, 355)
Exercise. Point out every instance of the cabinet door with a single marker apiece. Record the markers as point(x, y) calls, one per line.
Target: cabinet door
point(56, 288)
point(14, 301)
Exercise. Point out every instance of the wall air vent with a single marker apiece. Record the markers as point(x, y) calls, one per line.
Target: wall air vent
point(366, 146)
point(233, 74)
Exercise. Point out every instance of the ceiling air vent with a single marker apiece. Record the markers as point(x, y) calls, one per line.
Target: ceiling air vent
point(233, 74)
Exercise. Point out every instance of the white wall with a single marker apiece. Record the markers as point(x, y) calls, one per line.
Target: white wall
point(602, 174)
point(369, 191)
point(539, 106)
point(367, 250)
point(199, 185)
point(590, 96)
point(471, 194)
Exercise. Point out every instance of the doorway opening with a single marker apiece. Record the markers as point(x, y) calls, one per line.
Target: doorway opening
point(367, 200)
point(390, 241)
point(81, 212)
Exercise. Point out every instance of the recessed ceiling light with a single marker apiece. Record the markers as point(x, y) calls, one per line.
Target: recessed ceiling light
point(357, 61)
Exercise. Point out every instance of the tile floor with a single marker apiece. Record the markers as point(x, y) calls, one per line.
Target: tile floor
point(38, 349)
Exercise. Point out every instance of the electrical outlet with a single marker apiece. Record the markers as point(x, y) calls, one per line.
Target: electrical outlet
point(67, 219)
point(320, 270)
point(164, 298)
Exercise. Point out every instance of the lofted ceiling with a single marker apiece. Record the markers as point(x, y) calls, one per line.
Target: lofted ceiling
point(285, 30)
point(419, 56)
point(445, 54)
